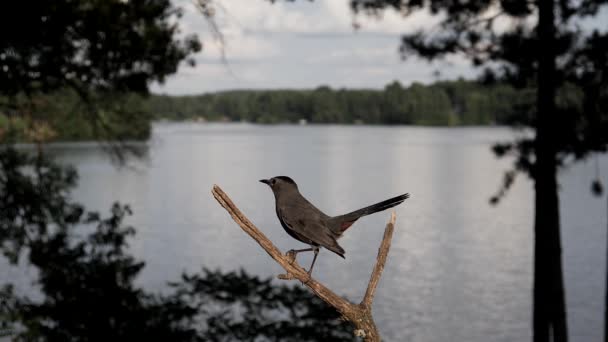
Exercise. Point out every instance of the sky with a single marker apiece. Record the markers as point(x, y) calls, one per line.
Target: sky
point(307, 44)
point(301, 44)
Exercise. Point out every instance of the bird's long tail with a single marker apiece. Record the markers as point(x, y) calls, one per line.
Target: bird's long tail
point(343, 222)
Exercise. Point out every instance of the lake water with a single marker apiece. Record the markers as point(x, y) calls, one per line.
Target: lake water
point(458, 270)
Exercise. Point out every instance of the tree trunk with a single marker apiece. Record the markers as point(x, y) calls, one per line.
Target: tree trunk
point(606, 293)
point(549, 299)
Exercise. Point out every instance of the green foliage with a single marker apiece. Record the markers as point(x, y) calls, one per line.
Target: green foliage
point(33, 194)
point(12, 128)
point(85, 276)
point(72, 73)
point(446, 103)
point(65, 117)
point(89, 45)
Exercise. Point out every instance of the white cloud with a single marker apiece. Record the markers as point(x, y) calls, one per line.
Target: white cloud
point(360, 54)
point(242, 46)
point(299, 45)
point(329, 16)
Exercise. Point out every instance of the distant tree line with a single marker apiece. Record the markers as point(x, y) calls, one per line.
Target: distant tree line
point(61, 116)
point(446, 103)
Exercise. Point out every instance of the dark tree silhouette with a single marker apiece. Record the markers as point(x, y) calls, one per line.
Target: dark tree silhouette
point(101, 50)
point(89, 45)
point(542, 45)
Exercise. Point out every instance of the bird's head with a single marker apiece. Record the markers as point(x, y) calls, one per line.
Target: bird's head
point(280, 183)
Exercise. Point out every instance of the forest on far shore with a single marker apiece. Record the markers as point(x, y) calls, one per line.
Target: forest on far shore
point(129, 116)
point(444, 103)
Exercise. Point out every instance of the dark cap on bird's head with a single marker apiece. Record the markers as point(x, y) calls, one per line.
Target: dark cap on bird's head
point(279, 181)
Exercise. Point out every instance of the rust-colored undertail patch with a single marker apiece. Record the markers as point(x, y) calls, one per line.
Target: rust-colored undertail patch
point(345, 225)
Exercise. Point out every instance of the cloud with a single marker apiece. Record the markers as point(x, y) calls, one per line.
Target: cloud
point(301, 17)
point(299, 44)
point(243, 46)
point(377, 55)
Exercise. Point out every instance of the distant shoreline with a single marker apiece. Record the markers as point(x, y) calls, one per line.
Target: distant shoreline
point(317, 124)
point(458, 103)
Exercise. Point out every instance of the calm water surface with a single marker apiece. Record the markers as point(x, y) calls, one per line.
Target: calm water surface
point(458, 270)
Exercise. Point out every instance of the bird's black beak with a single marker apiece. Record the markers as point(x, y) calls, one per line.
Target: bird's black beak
point(265, 181)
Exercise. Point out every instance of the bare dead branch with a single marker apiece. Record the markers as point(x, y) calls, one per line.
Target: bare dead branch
point(208, 9)
point(379, 267)
point(360, 315)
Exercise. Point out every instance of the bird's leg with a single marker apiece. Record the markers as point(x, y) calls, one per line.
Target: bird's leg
point(291, 254)
point(296, 251)
point(316, 250)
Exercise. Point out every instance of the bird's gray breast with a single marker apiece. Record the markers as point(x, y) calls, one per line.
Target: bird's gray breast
point(291, 230)
point(302, 220)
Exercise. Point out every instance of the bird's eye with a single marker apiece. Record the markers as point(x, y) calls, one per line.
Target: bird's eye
point(272, 181)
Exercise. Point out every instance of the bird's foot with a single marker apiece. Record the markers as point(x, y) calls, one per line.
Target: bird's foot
point(291, 258)
point(286, 276)
point(307, 279)
point(291, 255)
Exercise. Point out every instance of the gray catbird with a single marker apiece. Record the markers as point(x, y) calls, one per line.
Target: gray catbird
point(304, 222)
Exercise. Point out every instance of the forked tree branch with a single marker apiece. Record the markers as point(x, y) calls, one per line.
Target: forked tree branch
point(360, 315)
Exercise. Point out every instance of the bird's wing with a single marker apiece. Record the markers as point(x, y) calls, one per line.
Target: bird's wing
point(311, 226)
